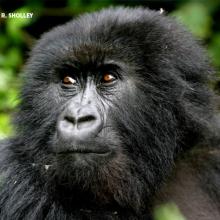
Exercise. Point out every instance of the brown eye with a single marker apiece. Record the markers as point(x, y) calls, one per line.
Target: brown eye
point(68, 80)
point(108, 78)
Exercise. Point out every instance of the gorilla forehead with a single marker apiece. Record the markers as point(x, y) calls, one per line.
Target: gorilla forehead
point(110, 32)
point(106, 25)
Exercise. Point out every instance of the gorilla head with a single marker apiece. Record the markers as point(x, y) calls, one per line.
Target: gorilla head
point(110, 101)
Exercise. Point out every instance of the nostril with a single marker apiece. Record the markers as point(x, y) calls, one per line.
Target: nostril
point(70, 119)
point(77, 127)
point(87, 118)
point(86, 122)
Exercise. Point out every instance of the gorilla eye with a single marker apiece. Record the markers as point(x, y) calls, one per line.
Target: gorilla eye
point(108, 78)
point(67, 80)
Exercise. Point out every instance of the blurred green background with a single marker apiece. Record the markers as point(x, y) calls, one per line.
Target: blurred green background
point(17, 36)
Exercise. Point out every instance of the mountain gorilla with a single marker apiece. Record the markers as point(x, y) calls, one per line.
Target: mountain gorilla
point(115, 119)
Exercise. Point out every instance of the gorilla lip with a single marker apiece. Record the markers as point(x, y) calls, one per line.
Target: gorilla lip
point(84, 151)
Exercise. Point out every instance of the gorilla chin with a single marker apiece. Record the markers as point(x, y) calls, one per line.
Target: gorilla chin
point(94, 174)
point(77, 162)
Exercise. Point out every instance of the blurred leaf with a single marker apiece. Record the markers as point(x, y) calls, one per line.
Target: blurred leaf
point(88, 5)
point(74, 3)
point(3, 42)
point(9, 99)
point(214, 49)
point(168, 212)
point(5, 127)
point(5, 77)
point(211, 5)
point(2, 60)
point(8, 90)
point(35, 4)
point(13, 58)
point(196, 17)
point(96, 6)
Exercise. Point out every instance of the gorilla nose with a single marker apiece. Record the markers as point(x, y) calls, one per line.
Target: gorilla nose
point(79, 124)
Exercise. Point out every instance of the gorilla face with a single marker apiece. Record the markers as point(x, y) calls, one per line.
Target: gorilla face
point(108, 103)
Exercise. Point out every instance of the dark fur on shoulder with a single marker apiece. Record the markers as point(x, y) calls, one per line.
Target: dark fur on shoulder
point(162, 110)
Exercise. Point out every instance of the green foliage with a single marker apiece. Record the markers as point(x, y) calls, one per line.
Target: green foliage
point(8, 100)
point(5, 125)
point(87, 5)
point(12, 40)
point(196, 17)
point(11, 59)
point(168, 212)
point(214, 49)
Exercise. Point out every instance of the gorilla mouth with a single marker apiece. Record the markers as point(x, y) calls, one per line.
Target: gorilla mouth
point(85, 151)
point(86, 147)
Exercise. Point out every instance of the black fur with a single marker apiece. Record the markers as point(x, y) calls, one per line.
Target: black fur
point(161, 111)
